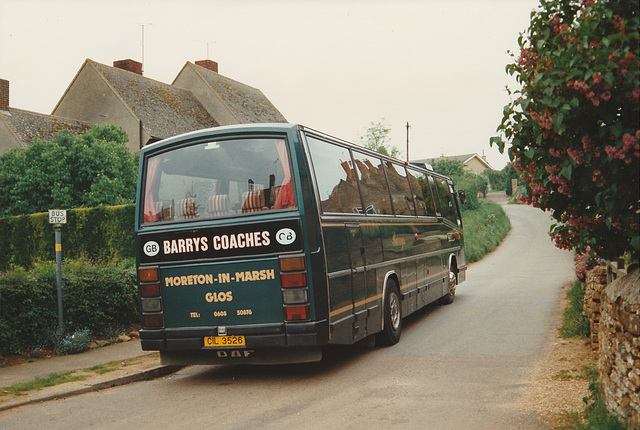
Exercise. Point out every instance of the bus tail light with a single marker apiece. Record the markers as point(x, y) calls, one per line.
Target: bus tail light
point(152, 321)
point(294, 297)
point(292, 264)
point(296, 313)
point(150, 290)
point(151, 305)
point(295, 291)
point(148, 274)
point(293, 280)
point(150, 297)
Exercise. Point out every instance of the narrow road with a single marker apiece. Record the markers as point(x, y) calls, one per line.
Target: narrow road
point(462, 366)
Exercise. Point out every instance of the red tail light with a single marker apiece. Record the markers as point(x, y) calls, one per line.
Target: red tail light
point(150, 290)
point(292, 280)
point(296, 313)
point(152, 321)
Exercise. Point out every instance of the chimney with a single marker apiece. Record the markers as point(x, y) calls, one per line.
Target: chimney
point(129, 65)
point(4, 95)
point(208, 64)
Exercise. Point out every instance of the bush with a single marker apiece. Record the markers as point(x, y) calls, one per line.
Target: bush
point(96, 297)
point(73, 343)
point(470, 188)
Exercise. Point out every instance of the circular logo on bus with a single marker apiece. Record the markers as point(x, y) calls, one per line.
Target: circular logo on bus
point(151, 248)
point(285, 236)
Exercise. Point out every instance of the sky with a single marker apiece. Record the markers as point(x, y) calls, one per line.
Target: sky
point(336, 66)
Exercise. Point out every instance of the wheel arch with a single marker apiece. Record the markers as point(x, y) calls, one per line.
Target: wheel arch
point(393, 276)
point(453, 265)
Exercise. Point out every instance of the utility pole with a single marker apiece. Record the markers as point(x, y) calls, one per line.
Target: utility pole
point(408, 126)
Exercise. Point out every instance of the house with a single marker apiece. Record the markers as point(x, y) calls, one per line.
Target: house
point(19, 128)
point(149, 110)
point(227, 101)
point(472, 162)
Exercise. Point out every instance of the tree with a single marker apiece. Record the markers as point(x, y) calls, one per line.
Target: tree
point(449, 168)
point(573, 127)
point(72, 171)
point(377, 139)
point(497, 179)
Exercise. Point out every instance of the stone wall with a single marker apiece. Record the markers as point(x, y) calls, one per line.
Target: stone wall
point(619, 346)
point(595, 282)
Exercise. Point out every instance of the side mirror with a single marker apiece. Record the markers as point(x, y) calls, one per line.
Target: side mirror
point(462, 196)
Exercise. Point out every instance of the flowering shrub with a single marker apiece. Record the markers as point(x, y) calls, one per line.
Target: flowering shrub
point(586, 262)
point(573, 127)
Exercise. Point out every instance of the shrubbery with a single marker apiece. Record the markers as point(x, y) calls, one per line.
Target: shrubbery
point(572, 130)
point(101, 233)
point(484, 229)
point(98, 297)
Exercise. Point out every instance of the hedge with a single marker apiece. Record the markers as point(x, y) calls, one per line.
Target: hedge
point(100, 297)
point(101, 233)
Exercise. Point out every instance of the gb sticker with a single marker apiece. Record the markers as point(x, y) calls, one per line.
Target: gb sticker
point(151, 248)
point(285, 236)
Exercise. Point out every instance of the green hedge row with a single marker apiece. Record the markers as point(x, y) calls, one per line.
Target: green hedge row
point(101, 233)
point(100, 297)
point(484, 229)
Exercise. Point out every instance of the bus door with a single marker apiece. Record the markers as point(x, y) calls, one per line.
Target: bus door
point(358, 280)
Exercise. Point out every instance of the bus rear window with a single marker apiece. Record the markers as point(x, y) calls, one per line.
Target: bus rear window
point(217, 179)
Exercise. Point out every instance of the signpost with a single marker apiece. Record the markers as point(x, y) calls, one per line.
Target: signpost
point(57, 217)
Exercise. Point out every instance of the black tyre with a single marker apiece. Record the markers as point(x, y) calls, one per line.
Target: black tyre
point(390, 334)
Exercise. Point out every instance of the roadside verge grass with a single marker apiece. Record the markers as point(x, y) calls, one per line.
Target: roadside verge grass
point(484, 229)
point(39, 383)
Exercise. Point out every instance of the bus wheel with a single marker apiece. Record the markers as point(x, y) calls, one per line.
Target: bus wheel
point(448, 298)
point(390, 334)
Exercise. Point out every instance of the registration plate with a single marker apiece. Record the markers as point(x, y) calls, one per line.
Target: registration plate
point(223, 341)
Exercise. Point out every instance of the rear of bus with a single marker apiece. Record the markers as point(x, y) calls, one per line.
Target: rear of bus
point(225, 248)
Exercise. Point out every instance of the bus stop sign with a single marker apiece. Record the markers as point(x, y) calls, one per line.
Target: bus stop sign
point(57, 216)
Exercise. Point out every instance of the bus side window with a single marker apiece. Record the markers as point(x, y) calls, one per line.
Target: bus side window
point(335, 177)
point(446, 201)
point(399, 187)
point(416, 188)
point(422, 186)
point(373, 184)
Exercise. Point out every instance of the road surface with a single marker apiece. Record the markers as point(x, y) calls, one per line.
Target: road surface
point(462, 366)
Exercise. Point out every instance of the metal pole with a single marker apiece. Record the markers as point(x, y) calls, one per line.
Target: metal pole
point(58, 231)
point(408, 141)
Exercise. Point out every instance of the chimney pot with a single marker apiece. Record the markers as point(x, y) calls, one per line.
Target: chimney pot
point(129, 65)
point(208, 64)
point(4, 95)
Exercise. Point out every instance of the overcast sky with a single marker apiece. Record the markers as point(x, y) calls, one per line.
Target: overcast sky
point(332, 65)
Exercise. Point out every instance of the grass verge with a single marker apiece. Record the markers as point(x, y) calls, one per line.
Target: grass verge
point(574, 323)
point(39, 383)
point(484, 229)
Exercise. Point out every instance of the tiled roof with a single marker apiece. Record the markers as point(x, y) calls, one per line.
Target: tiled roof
point(248, 104)
point(29, 125)
point(164, 110)
point(464, 158)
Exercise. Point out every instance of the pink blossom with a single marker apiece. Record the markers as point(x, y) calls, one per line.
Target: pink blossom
point(576, 154)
